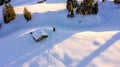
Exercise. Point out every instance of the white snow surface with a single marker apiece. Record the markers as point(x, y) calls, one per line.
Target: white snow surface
point(82, 41)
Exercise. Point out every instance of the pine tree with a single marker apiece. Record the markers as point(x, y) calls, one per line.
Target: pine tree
point(88, 2)
point(78, 9)
point(70, 10)
point(5, 15)
point(96, 4)
point(1, 2)
point(27, 14)
point(12, 12)
point(117, 1)
point(95, 8)
point(68, 3)
point(8, 13)
point(75, 3)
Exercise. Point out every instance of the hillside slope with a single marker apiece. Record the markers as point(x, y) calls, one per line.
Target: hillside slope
point(82, 41)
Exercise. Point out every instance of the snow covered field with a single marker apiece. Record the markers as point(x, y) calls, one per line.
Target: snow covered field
point(82, 41)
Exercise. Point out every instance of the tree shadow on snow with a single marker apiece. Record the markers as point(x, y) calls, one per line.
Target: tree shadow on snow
point(97, 52)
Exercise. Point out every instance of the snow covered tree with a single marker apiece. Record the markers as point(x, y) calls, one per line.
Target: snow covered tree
point(75, 3)
point(8, 13)
point(78, 9)
point(68, 3)
point(1, 2)
point(87, 7)
point(11, 11)
point(27, 14)
point(88, 2)
point(95, 8)
point(70, 10)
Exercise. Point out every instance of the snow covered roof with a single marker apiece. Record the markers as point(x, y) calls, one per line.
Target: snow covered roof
point(38, 33)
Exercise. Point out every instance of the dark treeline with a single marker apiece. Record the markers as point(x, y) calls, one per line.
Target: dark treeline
point(4, 1)
point(117, 1)
point(84, 8)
